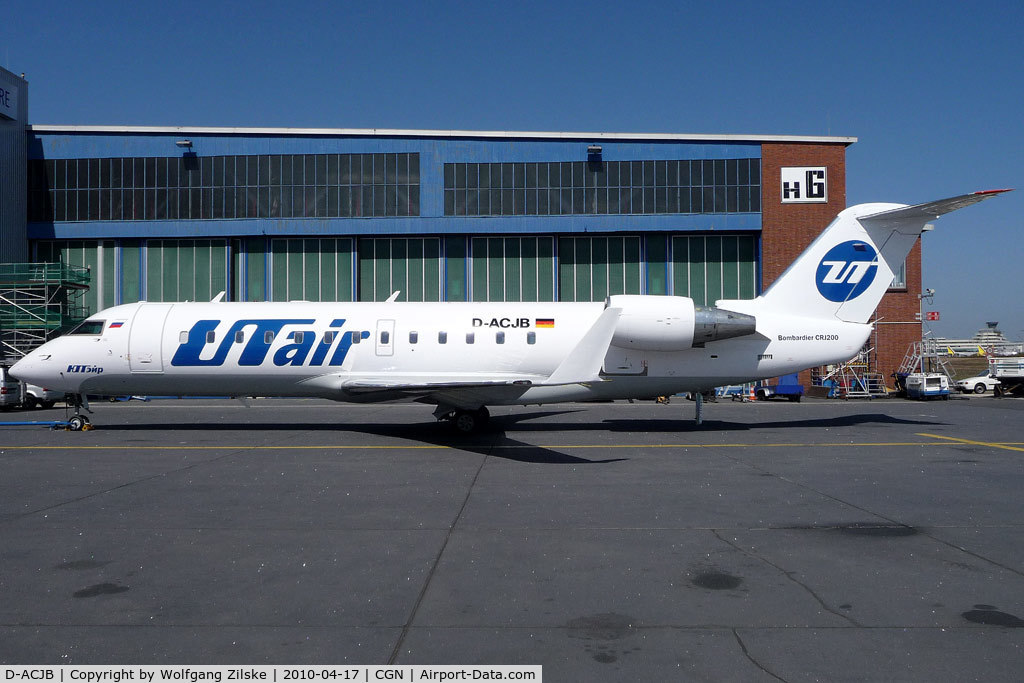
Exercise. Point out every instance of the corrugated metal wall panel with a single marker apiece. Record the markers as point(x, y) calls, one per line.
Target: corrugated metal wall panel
point(13, 162)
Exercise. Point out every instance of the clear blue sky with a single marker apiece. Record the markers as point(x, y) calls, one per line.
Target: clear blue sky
point(933, 90)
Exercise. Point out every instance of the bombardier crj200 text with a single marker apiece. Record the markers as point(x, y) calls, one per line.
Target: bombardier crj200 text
point(463, 357)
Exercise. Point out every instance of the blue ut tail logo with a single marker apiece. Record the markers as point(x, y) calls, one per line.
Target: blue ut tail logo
point(846, 271)
point(302, 344)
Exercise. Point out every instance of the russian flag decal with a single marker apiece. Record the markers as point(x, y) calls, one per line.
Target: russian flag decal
point(119, 323)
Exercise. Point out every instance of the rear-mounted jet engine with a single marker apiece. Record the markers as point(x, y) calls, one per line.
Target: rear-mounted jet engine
point(674, 323)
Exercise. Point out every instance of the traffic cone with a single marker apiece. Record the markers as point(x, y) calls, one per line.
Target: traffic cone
point(753, 396)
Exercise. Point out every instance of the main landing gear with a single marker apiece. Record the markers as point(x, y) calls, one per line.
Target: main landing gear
point(464, 421)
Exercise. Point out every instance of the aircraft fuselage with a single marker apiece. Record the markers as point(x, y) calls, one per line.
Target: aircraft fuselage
point(330, 350)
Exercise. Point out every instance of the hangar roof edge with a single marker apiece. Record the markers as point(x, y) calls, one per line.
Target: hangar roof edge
point(400, 132)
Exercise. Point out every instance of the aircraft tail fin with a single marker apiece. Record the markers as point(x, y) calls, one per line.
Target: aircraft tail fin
point(845, 272)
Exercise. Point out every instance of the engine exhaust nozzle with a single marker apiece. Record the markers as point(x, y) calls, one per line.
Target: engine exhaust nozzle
point(715, 324)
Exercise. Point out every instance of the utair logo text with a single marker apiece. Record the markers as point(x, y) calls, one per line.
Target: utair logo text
point(88, 369)
point(301, 345)
point(846, 271)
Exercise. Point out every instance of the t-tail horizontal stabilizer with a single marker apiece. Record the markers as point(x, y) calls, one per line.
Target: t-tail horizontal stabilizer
point(845, 272)
point(929, 210)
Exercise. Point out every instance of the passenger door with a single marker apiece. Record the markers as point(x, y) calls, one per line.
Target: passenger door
point(146, 336)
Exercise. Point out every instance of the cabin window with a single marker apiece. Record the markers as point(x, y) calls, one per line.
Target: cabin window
point(268, 337)
point(470, 337)
point(239, 337)
point(414, 337)
point(329, 337)
point(531, 337)
point(297, 336)
point(211, 336)
point(442, 337)
point(357, 337)
point(183, 337)
point(90, 327)
point(499, 337)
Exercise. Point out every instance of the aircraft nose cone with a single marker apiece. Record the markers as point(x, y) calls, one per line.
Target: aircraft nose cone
point(35, 368)
point(25, 370)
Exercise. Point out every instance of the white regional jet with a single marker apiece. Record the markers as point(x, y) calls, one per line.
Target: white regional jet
point(462, 357)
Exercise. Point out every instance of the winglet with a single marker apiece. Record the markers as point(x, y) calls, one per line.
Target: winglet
point(583, 364)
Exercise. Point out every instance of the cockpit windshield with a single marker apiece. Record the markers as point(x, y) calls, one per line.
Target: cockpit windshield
point(92, 328)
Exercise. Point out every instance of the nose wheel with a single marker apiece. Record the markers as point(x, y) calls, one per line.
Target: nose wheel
point(78, 423)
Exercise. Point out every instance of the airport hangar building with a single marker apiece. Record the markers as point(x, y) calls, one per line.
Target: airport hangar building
point(279, 214)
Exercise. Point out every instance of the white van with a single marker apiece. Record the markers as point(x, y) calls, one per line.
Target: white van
point(10, 389)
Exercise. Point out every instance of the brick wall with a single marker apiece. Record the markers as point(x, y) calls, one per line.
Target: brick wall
point(896, 326)
point(787, 229)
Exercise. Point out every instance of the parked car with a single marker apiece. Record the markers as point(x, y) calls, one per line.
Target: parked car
point(979, 385)
point(40, 396)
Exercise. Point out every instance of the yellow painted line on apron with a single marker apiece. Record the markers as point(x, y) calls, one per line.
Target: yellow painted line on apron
point(350, 447)
point(1010, 445)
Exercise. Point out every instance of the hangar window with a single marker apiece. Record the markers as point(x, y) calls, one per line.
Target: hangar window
point(899, 280)
point(225, 187)
point(603, 187)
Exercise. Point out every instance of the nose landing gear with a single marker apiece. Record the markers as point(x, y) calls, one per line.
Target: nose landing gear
point(79, 422)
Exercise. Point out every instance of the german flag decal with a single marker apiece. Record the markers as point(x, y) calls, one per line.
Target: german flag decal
point(545, 322)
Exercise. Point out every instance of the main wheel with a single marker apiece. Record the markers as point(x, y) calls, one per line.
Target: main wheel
point(31, 401)
point(47, 404)
point(979, 388)
point(466, 421)
point(77, 422)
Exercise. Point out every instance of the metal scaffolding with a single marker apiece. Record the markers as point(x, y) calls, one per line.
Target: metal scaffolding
point(38, 301)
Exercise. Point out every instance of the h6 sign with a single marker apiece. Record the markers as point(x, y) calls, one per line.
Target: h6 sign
point(804, 184)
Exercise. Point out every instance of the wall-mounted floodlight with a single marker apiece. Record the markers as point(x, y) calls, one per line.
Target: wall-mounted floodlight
point(184, 143)
point(928, 227)
point(594, 150)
